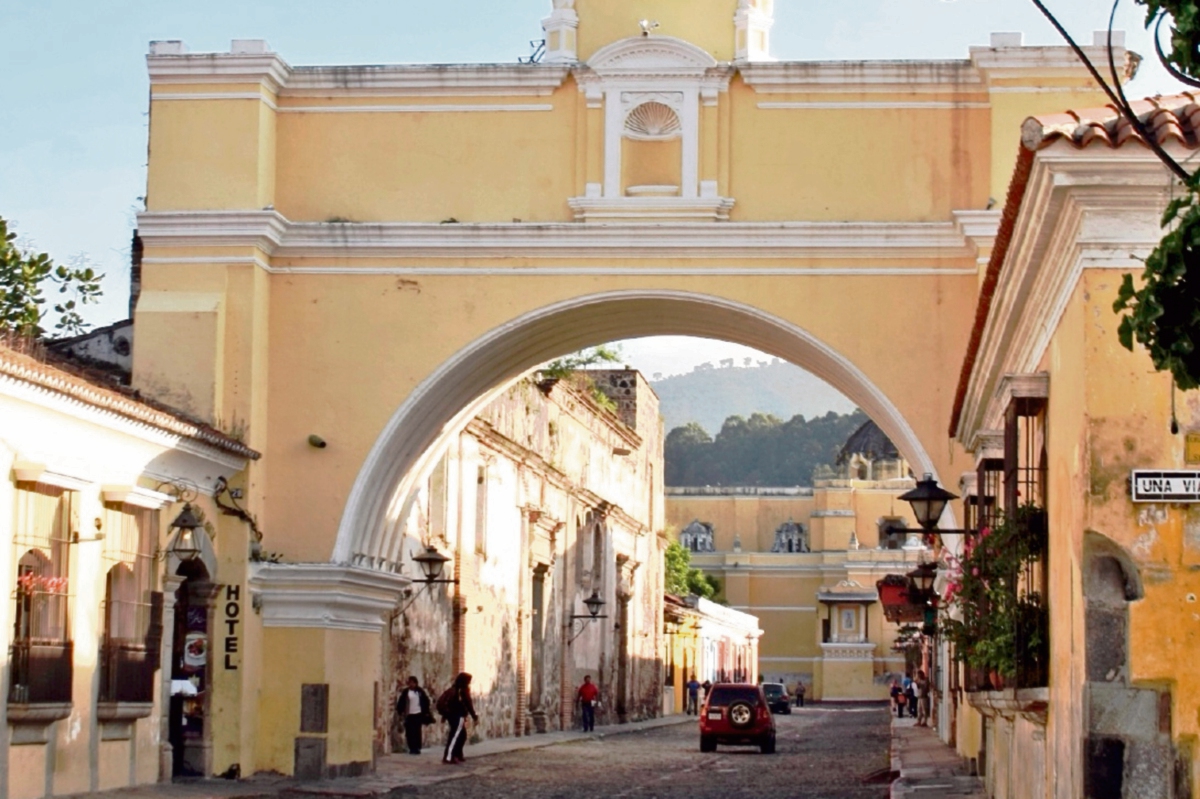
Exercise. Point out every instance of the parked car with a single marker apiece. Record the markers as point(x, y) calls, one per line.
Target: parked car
point(736, 714)
point(778, 698)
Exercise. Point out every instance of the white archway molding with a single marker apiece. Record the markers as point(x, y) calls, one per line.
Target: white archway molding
point(442, 405)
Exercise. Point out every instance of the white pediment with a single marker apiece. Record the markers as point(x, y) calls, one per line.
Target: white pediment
point(641, 55)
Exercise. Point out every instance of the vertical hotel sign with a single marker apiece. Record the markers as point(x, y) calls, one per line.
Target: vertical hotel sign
point(1165, 485)
point(233, 612)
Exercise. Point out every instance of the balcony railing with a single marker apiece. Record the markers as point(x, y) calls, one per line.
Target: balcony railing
point(127, 672)
point(41, 672)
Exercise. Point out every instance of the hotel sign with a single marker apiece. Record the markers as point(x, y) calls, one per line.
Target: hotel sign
point(1168, 485)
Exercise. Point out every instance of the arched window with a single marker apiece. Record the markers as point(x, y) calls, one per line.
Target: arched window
point(132, 611)
point(41, 652)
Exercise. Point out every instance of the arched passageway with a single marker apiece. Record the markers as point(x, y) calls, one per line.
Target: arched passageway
point(443, 403)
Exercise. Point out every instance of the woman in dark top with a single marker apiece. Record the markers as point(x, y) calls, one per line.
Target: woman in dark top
point(458, 707)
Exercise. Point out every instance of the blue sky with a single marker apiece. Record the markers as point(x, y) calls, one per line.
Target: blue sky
point(74, 89)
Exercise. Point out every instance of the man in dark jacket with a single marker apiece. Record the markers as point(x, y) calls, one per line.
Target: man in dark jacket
point(412, 705)
point(458, 706)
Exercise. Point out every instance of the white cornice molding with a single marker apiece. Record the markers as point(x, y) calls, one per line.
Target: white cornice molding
point(326, 596)
point(431, 80)
point(1024, 62)
point(1090, 208)
point(261, 229)
point(272, 234)
point(651, 209)
point(266, 69)
point(850, 77)
point(978, 226)
point(650, 55)
point(27, 472)
point(136, 496)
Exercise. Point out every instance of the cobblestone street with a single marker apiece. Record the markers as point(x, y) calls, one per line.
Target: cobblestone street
point(824, 751)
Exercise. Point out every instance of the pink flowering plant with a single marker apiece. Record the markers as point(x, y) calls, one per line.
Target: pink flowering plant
point(999, 622)
point(31, 583)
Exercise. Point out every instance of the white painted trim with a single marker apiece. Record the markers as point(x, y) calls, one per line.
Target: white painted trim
point(415, 108)
point(326, 596)
point(440, 406)
point(26, 472)
point(881, 104)
point(259, 96)
point(853, 77)
point(136, 496)
point(1095, 208)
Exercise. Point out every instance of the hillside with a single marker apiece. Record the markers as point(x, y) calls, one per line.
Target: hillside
point(710, 395)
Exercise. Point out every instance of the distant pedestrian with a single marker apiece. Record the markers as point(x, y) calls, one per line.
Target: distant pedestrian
point(455, 705)
point(800, 693)
point(588, 695)
point(413, 707)
point(693, 696)
point(910, 696)
point(898, 700)
point(922, 689)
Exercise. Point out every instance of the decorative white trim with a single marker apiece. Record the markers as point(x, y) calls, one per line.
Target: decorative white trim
point(752, 31)
point(440, 108)
point(271, 233)
point(267, 69)
point(821, 514)
point(26, 472)
point(428, 80)
point(846, 77)
point(646, 209)
point(979, 227)
point(560, 30)
point(136, 496)
point(259, 96)
point(557, 271)
point(326, 596)
point(880, 104)
point(1095, 208)
point(848, 651)
point(1025, 62)
point(441, 406)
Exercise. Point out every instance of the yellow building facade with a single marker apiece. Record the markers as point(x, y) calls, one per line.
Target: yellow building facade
point(1056, 412)
point(806, 561)
point(370, 255)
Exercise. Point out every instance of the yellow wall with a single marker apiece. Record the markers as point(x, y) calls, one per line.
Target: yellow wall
point(708, 24)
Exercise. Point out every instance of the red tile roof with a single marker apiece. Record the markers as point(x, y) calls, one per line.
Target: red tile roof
point(69, 381)
point(1173, 118)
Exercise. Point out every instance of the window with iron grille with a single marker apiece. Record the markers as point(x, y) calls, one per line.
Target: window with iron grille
point(132, 611)
point(41, 654)
point(1025, 473)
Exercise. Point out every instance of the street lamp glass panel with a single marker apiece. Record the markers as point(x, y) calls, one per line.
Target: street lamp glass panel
point(431, 562)
point(923, 578)
point(183, 543)
point(928, 500)
point(594, 603)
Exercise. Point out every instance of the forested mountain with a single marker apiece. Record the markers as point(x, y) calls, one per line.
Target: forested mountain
point(711, 393)
point(763, 450)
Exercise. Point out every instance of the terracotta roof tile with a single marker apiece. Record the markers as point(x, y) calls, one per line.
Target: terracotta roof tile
point(62, 378)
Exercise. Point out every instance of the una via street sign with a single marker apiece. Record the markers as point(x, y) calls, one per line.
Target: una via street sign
point(1166, 485)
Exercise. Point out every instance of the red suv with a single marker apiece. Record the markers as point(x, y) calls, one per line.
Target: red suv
point(736, 714)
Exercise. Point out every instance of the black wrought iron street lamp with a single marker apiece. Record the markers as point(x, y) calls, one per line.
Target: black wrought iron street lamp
point(594, 603)
point(432, 564)
point(928, 500)
point(184, 542)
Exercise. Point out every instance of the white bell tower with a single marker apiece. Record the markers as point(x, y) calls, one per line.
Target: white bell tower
point(753, 22)
point(560, 29)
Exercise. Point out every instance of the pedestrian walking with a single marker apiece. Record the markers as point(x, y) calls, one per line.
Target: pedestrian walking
point(922, 684)
point(412, 705)
point(800, 693)
point(910, 696)
point(898, 700)
point(588, 696)
point(693, 696)
point(455, 705)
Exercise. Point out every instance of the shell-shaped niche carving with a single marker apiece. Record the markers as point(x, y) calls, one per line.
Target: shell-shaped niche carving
point(652, 121)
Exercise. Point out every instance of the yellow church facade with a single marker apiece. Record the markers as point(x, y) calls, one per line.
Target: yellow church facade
point(370, 255)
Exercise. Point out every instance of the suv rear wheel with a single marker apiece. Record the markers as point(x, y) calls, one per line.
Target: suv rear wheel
point(708, 743)
point(768, 745)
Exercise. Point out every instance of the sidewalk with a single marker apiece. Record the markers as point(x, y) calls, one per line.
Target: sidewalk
point(928, 768)
point(392, 771)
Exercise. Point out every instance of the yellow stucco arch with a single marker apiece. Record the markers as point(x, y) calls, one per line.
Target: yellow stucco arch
point(440, 407)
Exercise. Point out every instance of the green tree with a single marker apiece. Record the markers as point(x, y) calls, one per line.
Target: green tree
point(24, 278)
point(681, 578)
point(574, 367)
point(1162, 311)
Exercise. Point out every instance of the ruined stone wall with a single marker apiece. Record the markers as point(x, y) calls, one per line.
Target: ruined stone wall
point(542, 485)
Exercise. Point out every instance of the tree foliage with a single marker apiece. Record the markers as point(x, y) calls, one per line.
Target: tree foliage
point(763, 450)
point(682, 579)
point(574, 368)
point(24, 279)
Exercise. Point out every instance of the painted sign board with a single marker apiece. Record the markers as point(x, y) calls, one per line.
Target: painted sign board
point(1166, 485)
